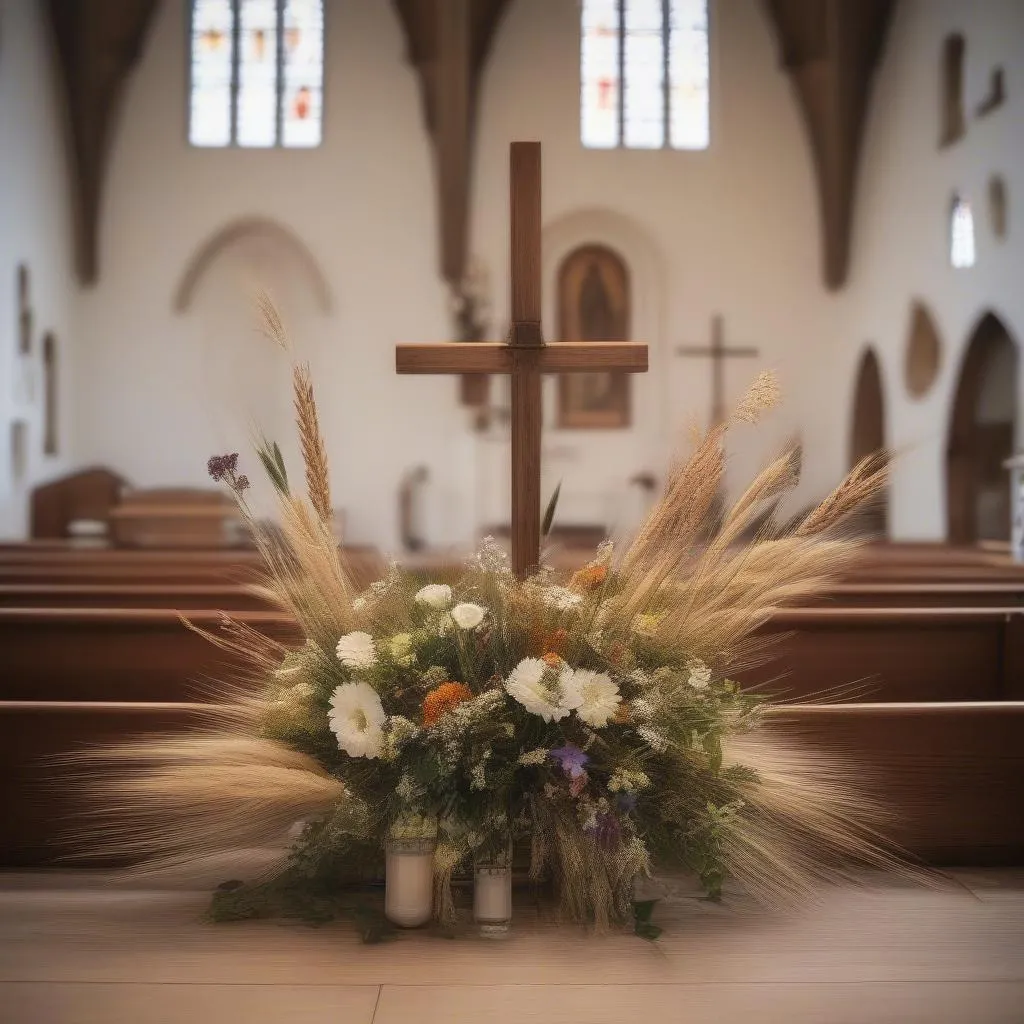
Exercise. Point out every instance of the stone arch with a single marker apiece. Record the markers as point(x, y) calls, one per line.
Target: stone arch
point(952, 98)
point(236, 233)
point(868, 429)
point(981, 435)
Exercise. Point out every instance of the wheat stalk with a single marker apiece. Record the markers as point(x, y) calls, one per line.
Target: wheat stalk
point(314, 454)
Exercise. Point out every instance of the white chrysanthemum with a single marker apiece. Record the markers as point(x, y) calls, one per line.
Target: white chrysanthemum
point(700, 675)
point(468, 615)
point(534, 757)
point(356, 718)
point(561, 598)
point(434, 595)
point(535, 687)
point(356, 650)
point(400, 647)
point(594, 696)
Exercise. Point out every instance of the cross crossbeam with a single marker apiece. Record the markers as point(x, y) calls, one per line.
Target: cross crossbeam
point(525, 356)
point(718, 352)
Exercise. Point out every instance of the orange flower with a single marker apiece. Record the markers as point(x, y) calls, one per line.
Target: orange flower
point(589, 577)
point(443, 698)
point(557, 641)
point(552, 659)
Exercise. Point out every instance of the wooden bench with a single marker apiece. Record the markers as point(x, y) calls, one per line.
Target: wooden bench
point(897, 654)
point(177, 596)
point(950, 773)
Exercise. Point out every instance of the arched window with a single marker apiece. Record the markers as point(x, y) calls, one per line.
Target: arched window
point(257, 73)
point(644, 74)
point(961, 234)
point(952, 89)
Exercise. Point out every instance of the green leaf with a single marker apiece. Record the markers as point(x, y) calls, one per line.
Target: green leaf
point(642, 909)
point(273, 471)
point(279, 461)
point(549, 513)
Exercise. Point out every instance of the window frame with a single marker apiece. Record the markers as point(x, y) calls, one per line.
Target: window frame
point(233, 142)
point(666, 145)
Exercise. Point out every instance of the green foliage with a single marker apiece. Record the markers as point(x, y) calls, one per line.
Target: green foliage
point(549, 512)
point(273, 463)
point(642, 924)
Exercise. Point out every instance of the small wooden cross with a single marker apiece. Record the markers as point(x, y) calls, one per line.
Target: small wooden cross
point(718, 352)
point(525, 356)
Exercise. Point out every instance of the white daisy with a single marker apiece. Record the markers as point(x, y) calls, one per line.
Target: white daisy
point(356, 717)
point(467, 615)
point(356, 650)
point(535, 686)
point(594, 696)
point(434, 595)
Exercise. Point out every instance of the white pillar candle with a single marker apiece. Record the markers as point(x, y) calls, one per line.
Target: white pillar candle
point(409, 883)
point(492, 896)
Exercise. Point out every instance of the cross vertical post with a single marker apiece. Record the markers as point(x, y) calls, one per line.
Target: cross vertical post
point(524, 356)
point(526, 342)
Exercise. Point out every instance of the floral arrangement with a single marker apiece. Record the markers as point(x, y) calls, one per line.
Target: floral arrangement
point(590, 721)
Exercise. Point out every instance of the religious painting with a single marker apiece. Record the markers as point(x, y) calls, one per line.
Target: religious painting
point(593, 305)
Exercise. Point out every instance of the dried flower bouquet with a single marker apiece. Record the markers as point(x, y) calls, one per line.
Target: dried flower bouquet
point(591, 719)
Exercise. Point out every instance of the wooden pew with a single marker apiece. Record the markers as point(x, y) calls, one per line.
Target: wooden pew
point(895, 654)
point(950, 773)
point(177, 596)
point(901, 654)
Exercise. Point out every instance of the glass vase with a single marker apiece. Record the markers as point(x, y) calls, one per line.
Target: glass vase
point(492, 894)
point(409, 881)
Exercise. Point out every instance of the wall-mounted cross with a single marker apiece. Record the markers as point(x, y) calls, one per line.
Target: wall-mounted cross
point(719, 352)
point(525, 356)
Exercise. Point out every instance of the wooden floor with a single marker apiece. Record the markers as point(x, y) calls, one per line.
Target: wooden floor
point(74, 950)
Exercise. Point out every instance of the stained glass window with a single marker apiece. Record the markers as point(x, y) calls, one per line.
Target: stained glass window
point(257, 73)
point(961, 234)
point(644, 74)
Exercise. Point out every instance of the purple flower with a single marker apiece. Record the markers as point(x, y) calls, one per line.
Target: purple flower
point(607, 831)
point(572, 760)
point(241, 484)
point(221, 466)
point(625, 802)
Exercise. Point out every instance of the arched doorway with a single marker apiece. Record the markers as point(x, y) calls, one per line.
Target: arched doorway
point(867, 433)
point(981, 436)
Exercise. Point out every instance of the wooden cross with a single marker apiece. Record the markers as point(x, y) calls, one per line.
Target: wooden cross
point(525, 356)
point(718, 352)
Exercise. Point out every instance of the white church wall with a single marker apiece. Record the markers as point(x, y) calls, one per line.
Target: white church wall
point(733, 230)
point(35, 230)
point(901, 233)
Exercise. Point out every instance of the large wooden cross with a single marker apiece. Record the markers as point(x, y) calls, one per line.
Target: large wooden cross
point(719, 352)
point(525, 356)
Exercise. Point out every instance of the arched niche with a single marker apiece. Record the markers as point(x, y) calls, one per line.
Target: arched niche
point(981, 435)
point(923, 356)
point(868, 432)
point(256, 236)
point(593, 305)
point(952, 97)
point(645, 265)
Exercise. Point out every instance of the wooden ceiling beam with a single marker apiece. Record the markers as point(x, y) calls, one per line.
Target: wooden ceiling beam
point(96, 45)
point(830, 50)
point(448, 42)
